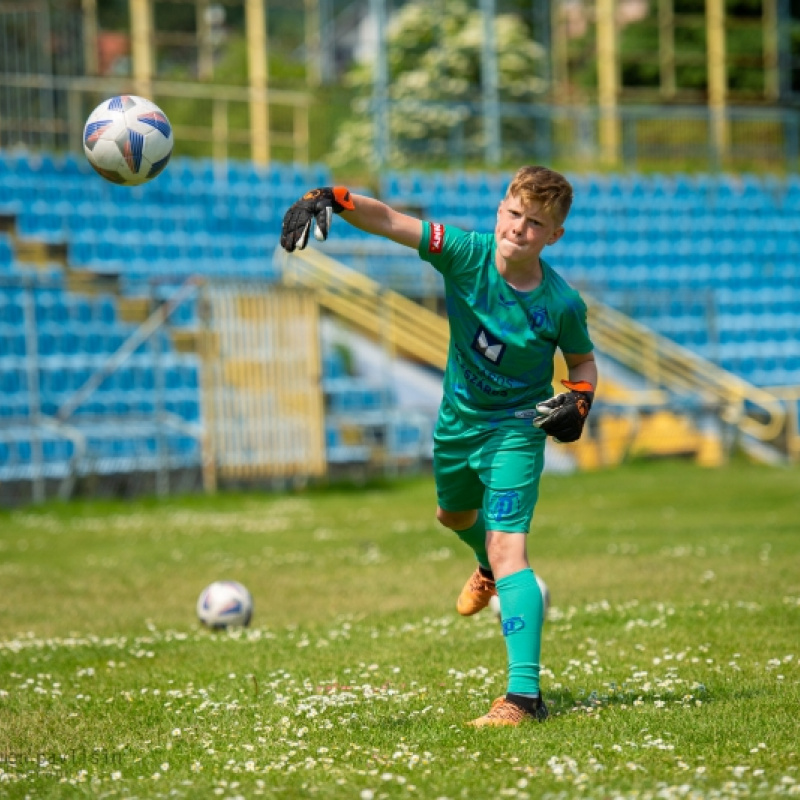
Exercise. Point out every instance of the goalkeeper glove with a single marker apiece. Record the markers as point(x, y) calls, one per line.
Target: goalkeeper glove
point(564, 415)
point(317, 205)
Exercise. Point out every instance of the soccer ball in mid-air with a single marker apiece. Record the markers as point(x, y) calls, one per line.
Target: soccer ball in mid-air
point(128, 139)
point(494, 602)
point(225, 604)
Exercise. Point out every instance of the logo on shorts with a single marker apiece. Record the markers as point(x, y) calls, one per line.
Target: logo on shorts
point(437, 237)
point(513, 625)
point(490, 348)
point(503, 505)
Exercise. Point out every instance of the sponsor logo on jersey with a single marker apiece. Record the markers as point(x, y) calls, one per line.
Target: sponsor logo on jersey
point(491, 383)
point(437, 238)
point(526, 413)
point(490, 348)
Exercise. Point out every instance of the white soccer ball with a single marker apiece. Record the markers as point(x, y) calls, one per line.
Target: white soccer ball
point(225, 604)
point(494, 601)
point(128, 140)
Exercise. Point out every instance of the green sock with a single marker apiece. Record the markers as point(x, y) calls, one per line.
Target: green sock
point(475, 537)
point(523, 616)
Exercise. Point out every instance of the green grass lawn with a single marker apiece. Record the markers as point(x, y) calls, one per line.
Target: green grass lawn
point(670, 654)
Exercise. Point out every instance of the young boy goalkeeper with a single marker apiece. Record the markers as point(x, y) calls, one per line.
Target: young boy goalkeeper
point(508, 311)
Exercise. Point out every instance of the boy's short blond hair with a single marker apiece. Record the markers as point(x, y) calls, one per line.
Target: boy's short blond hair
point(545, 186)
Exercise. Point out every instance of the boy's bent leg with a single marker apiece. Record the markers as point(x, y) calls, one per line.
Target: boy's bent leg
point(474, 537)
point(480, 588)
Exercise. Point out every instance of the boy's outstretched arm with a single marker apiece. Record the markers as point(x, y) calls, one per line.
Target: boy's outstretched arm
point(374, 216)
point(367, 214)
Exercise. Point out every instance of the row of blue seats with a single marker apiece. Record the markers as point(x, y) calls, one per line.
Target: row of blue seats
point(734, 328)
point(137, 232)
point(65, 375)
point(161, 245)
point(748, 187)
point(20, 192)
point(16, 198)
point(765, 371)
point(70, 219)
point(707, 340)
point(73, 217)
point(55, 304)
point(204, 169)
point(721, 343)
point(165, 191)
point(72, 341)
point(139, 273)
point(107, 452)
point(20, 452)
point(180, 168)
point(622, 226)
point(787, 350)
point(679, 313)
point(672, 271)
point(120, 407)
point(349, 395)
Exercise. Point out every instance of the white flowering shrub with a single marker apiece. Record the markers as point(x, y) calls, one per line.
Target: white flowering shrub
point(434, 91)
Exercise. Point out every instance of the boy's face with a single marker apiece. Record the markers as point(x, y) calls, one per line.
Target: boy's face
point(524, 230)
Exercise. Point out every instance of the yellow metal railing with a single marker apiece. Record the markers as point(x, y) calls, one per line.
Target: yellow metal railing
point(791, 396)
point(405, 326)
point(663, 363)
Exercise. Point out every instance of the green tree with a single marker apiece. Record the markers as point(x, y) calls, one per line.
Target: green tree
point(434, 62)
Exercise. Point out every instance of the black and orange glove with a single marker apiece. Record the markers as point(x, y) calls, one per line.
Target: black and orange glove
point(318, 206)
point(564, 415)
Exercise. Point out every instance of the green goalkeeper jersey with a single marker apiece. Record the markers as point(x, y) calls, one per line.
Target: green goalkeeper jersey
point(502, 341)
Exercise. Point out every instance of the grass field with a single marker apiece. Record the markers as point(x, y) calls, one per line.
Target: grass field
point(671, 651)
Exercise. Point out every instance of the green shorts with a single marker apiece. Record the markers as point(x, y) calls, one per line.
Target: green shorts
point(495, 469)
